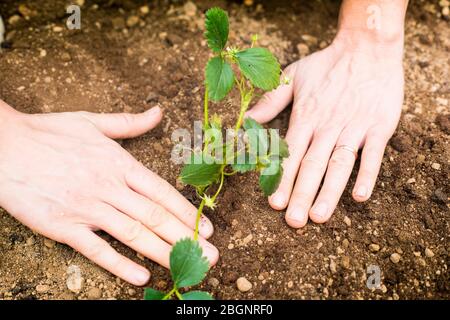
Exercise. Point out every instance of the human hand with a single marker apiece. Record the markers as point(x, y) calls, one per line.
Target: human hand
point(63, 176)
point(342, 96)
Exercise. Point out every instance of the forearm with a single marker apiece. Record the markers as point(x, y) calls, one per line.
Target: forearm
point(377, 24)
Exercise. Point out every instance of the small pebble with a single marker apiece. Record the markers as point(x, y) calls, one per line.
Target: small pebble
point(436, 166)
point(347, 221)
point(243, 284)
point(190, 9)
point(131, 292)
point(14, 19)
point(94, 293)
point(132, 21)
point(49, 243)
point(395, 258)
point(374, 247)
point(333, 268)
point(303, 49)
point(213, 282)
point(74, 280)
point(42, 288)
point(230, 246)
point(57, 29)
point(144, 10)
point(290, 284)
point(429, 253)
point(42, 53)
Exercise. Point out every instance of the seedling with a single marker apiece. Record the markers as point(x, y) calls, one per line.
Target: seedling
point(246, 69)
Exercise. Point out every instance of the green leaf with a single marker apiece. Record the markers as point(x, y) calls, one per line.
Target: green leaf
point(283, 148)
point(270, 177)
point(152, 294)
point(219, 78)
point(199, 173)
point(257, 137)
point(243, 163)
point(216, 25)
point(260, 66)
point(197, 295)
point(187, 265)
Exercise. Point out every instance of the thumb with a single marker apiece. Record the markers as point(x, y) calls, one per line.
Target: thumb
point(273, 102)
point(125, 125)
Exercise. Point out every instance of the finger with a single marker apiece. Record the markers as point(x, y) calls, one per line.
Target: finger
point(159, 220)
point(273, 102)
point(338, 172)
point(99, 251)
point(150, 185)
point(371, 158)
point(298, 138)
point(125, 125)
point(132, 233)
point(312, 169)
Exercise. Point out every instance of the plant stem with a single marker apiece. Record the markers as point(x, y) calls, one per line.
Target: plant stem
point(179, 296)
point(205, 109)
point(221, 183)
point(197, 219)
point(169, 294)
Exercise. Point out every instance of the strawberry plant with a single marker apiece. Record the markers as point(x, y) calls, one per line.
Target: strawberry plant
point(257, 150)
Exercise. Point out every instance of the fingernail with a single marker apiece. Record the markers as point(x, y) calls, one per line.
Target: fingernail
point(361, 191)
point(141, 276)
point(296, 214)
point(278, 199)
point(205, 227)
point(320, 209)
point(210, 253)
point(154, 110)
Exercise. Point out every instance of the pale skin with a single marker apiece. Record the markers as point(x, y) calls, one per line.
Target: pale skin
point(350, 94)
point(65, 177)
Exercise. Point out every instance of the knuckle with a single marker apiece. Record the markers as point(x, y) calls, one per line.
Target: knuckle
point(132, 231)
point(340, 160)
point(94, 250)
point(156, 216)
point(312, 162)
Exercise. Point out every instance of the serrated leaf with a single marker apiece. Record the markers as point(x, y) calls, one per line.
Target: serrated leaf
point(199, 173)
point(187, 265)
point(219, 78)
point(197, 295)
point(244, 163)
point(260, 66)
point(258, 140)
point(217, 28)
point(270, 177)
point(152, 294)
point(278, 146)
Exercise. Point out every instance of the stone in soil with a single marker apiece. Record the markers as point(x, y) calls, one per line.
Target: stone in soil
point(395, 258)
point(94, 293)
point(243, 284)
point(429, 253)
point(213, 282)
point(374, 247)
point(74, 280)
point(42, 288)
point(49, 243)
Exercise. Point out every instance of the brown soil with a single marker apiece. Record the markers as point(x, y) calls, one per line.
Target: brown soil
point(107, 67)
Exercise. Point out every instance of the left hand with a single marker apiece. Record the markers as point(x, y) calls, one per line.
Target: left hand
point(342, 96)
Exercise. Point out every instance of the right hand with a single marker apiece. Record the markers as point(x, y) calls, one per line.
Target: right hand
point(63, 176)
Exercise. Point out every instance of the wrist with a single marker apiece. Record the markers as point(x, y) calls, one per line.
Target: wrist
point(379, 46)
point(375, 26)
